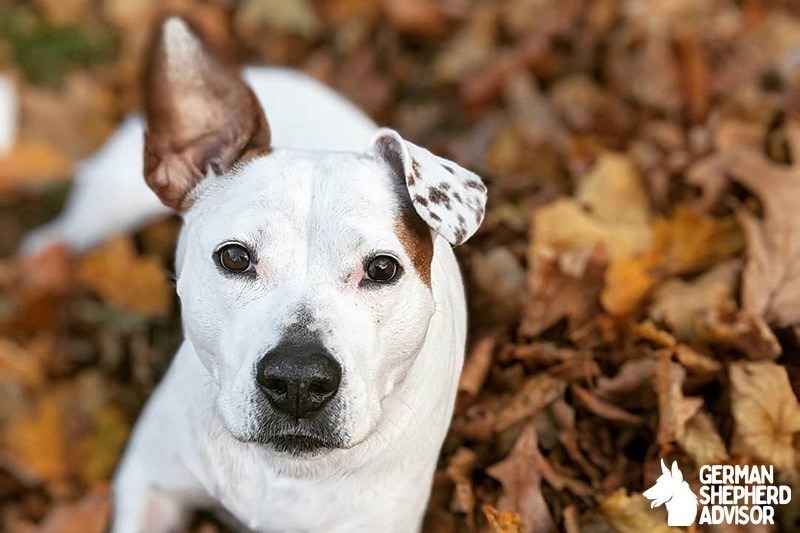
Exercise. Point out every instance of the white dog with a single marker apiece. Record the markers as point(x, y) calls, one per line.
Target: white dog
point(322, 305)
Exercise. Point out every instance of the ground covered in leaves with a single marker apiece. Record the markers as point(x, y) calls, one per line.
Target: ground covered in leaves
point(634, 292)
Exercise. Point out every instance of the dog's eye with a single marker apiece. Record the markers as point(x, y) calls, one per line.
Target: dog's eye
point(383, 269)
point(234, 258)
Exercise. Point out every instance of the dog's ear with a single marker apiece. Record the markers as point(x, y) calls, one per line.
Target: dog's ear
point(449, 198)
point(201, 117)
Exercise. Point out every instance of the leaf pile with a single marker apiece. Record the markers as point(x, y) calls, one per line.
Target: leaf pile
point(634, 291)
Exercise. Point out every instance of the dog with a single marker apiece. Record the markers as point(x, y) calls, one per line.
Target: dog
point(322, 306)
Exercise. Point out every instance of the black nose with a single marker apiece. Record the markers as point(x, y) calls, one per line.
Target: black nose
point(298, 380)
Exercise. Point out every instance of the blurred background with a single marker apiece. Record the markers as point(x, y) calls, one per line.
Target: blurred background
point(634, 291)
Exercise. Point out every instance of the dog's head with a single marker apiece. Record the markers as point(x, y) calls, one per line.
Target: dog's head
point(304, 277)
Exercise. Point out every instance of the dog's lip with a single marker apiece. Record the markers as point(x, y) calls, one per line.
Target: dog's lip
point(299, 444)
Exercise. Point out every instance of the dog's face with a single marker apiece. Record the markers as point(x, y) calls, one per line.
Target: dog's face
point(333, 265)
point(304, 277)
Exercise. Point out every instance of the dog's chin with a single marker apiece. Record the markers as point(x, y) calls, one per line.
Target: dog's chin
point(300, 446)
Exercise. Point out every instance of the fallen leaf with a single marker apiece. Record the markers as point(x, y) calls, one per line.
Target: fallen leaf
point(477, 364)
point(521, 482)
point(534, 395)
point(687, 308)
point(771, 284)
point(125, 280)
point(32, 164)
point(90, 514)
point(602, 408)
point(701, 441)
point(502, 521)
point(562, 285)
point(419, 17)
point(460, 466)
point(610, 207)
point(766, 415)
point(674, 410)
point(692, 240)
point(629, 282)
point(632, 514)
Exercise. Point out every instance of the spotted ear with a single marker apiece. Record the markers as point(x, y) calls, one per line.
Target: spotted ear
point(201, 116)
point(449, 198)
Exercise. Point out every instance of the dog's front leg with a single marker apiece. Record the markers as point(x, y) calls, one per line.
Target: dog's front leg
point(139, 509)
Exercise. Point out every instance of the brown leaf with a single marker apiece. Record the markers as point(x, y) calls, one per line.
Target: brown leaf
point(65, 432)
point(687, 308)
point(674, 410)
point(460, 466)
point(562, 285)
point(90, 514)
point(771, 285)
point(125, 280)
point(602, 408)
point(766, 415)
point(521, 482)
point(476, 366)
point(534, 395)
point(420, 17)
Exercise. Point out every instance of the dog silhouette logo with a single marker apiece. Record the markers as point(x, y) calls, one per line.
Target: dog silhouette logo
point(670, 488)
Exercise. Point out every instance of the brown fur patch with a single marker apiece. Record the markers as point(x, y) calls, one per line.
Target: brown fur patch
point(415, 236)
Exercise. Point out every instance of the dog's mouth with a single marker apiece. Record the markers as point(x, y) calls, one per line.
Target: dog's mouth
point(299, 444)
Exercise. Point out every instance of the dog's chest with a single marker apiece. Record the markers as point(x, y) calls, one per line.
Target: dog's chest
point(264, 502)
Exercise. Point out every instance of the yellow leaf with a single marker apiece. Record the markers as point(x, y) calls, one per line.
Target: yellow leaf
point(766, 415)
point(629, 282)
point(501, 521)
point(632, 514)
point(32, 163)
point(125, 280)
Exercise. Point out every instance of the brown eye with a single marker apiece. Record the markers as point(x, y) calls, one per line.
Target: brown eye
point(234, 258)
point(382, 269)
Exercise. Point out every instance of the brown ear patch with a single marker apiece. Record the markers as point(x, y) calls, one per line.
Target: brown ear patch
point(415, 236)
point(201, 116)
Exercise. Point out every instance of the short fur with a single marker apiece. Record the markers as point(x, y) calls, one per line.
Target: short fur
point(312, 219)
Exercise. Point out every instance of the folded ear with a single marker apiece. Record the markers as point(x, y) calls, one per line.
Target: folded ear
point(201, 117)
point(449, 198)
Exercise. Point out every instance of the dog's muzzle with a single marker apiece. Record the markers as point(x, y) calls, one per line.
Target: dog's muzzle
point(299, 382)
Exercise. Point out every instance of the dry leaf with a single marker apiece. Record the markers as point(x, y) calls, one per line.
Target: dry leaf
point(125, 280)
point(687, 308)
point(459, 468)
point(31, 164)
point(700, 440)
point(90, 514)
point(692, 241)
point(521, 480)
point(68, 431)
point(632, 514)
point(629, 282)
point(603, 409)
point(476, 366)
point(501, 521)
point(536, 394)
point(562, 285)
point(766, 415)
point(610, 207)
point(674, 410)
point(771, 285)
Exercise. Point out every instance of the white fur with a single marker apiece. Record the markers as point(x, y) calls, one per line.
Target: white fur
point(312, 211)
point(9, 114)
